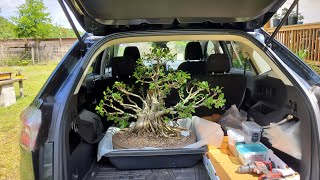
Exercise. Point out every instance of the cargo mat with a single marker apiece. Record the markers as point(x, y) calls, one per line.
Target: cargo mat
point(104, 170)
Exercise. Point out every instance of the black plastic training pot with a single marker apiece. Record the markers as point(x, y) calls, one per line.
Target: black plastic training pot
point(292, 20)
point(275, 22)
point(156, 158)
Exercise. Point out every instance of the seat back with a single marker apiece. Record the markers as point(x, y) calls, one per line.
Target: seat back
point(133, 52)
point(122, 67)
point(234, 85)
point(193, 56)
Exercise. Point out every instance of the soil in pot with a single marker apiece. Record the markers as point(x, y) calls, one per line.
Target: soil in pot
point(127, 140)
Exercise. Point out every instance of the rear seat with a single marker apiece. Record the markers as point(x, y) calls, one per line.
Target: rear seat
point(133, 52)
point(234, 85)
point(193, 56)
point(123, 68)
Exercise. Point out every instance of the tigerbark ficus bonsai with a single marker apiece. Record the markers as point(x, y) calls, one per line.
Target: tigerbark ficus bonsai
point(149, 109)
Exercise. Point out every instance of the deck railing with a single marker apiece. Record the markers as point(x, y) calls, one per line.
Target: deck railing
point(301, 37)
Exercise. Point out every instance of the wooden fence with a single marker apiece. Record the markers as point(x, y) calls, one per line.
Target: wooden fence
point(25, 49)
point(301, 37)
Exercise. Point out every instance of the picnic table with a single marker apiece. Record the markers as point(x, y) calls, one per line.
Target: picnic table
point(7, 96)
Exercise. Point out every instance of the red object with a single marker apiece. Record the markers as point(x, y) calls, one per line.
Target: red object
point(270, 176)
point(260, 167)
point(31, 121)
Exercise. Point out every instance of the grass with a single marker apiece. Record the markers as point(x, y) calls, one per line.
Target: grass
point(9, 117)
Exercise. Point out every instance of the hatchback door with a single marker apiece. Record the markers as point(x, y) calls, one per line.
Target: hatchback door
point(102, 17)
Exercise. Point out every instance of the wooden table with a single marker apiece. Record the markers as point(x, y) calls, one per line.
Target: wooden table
point(11, 81)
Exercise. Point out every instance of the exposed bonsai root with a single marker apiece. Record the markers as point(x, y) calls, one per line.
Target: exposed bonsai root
point(155, 126)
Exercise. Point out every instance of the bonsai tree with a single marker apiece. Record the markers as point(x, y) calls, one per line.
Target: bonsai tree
point(276, 16)
point(276, 20)
point(283, 12)
point(152, 115)
point(300, 18)
point(293, 18)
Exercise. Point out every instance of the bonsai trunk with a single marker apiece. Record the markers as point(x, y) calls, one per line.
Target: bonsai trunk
point(150, 119)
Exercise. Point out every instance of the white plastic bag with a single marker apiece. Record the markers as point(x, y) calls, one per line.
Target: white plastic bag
point(233, 118)
point(285, 137)
point(207, 132)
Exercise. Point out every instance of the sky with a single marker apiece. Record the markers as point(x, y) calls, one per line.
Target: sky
point(9, 8)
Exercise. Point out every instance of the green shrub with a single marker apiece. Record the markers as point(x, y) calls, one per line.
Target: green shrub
point(16, 62)
point(302, 54)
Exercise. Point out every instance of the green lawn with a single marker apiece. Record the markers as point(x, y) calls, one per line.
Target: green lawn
point(9, 117)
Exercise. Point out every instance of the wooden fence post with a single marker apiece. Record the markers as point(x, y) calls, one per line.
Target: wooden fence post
point(32, 54)
point(38, 54)
point(60, 47)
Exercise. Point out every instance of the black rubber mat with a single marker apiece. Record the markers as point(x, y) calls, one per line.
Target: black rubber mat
point(103, 170)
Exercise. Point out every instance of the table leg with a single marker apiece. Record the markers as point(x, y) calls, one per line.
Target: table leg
point(21, 89)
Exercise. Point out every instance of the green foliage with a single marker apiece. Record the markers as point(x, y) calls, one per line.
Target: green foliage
point(32, 20)
point(283, 12)
point(150, 73)
point(276, 16)
point(7, 29)
point(293, 14)
point(302, 54)
point(16, 62)
point(241, 63)
point(60, 32)
point(300, 17)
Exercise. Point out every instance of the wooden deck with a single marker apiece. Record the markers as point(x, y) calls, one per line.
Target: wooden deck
point(301, 37)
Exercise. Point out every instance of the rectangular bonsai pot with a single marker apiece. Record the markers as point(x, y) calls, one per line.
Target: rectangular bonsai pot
point(156, 158)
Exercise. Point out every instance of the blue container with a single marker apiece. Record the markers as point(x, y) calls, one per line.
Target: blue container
point(251, 152)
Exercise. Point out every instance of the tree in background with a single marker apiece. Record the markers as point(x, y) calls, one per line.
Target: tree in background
point(58, 31)
point(7, 28)
point(32, 21)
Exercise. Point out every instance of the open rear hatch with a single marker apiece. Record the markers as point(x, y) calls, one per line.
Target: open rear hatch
point(102, 17)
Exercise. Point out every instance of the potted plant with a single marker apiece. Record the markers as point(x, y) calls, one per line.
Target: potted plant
point(293, 18)
point(151, 127)
point(276, 20)
point(283, 13)
point(300, 18)
point(19, 72)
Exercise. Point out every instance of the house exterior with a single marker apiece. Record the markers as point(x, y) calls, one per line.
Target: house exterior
point(308, 8)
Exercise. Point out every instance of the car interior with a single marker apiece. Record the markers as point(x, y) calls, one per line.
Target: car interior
point(250, 80)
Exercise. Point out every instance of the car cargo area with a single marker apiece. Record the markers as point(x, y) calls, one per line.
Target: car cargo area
point(259, 97)
point(104, 170)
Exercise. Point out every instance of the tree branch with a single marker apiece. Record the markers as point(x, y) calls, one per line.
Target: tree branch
point(132, 94)
point(119, 111)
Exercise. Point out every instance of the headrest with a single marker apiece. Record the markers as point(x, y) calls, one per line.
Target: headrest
point(193, 51)
point(133, 52)
point(218, 63)
point(123, 66)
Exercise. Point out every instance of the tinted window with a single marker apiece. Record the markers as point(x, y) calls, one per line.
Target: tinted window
point(213, 47)
point(238, 59)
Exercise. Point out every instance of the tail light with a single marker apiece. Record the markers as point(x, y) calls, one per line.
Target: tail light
point(31, 121)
